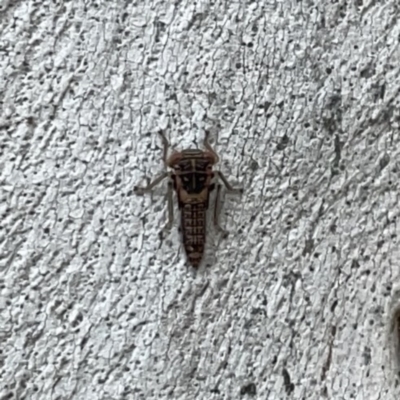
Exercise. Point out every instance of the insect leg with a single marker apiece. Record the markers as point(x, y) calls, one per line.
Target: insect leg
point(141, 190)
point(170, 222)
point(229, 187)
point(207, 145)
point(217, 212)
point(166, 145)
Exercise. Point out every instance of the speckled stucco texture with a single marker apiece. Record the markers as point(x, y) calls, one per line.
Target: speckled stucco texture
point(302, 99)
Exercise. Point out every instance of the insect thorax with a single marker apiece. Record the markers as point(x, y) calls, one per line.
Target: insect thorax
point(193, 173)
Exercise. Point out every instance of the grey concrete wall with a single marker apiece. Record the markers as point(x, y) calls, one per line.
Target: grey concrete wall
point(302, 98)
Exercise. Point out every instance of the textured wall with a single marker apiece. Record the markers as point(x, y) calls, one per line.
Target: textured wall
point(302, 98)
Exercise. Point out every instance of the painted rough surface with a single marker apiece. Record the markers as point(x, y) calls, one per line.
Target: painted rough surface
point(303, 100)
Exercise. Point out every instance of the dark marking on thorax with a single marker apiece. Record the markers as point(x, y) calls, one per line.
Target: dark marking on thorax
point(193, 174)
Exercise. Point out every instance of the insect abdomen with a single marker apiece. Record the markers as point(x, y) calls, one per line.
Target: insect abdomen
point(193, 223)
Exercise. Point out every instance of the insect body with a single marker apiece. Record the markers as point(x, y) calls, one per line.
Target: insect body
point(192, 179)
